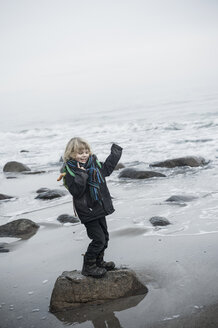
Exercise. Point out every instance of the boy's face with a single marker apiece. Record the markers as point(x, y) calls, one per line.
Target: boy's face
point(82, 156)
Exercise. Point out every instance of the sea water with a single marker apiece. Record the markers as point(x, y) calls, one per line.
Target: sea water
point(158, 130)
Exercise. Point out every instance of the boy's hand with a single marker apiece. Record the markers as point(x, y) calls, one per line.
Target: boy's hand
point(61, 176)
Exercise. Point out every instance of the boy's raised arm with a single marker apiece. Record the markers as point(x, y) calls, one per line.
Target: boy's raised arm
point(111, 161)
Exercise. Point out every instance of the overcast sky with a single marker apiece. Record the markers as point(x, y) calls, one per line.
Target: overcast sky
point(83, 55)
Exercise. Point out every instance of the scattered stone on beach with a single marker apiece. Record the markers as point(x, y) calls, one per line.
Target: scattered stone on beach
point(14, 166)
point(51, 194)
point(40, 190)
point(24, 151)
point(21, 228)
point(181, 198)
point(192, 161)
point(119, 166)
point(159, 221)
point(5, 197)
point(73, 290)
point(3, 249)
point(136, 174)
point(66, 218)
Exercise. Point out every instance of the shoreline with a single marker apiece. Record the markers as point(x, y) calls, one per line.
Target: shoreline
point(165, 266)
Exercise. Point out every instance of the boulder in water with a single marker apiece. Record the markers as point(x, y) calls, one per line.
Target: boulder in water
point(14, 166)
point(43, 189)
point(51, 194)
point(3, 248)
point(181, 198)
point(73, 290)
point(136, 174)
point(66, 218)
point(159, 221)
point(5, 197)
point(21, 228)
point(192, 161)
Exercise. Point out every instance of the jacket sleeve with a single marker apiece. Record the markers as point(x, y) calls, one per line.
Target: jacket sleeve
point(77, 185)
point(110, 163)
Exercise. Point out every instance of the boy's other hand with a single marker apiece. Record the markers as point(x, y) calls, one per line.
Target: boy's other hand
point(80, 167)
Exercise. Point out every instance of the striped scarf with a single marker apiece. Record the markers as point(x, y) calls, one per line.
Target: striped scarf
point(94, 175)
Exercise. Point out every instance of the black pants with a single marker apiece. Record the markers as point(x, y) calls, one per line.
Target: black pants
point(97, 231)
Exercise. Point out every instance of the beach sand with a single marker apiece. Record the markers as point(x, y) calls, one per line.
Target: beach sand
point(180, 272)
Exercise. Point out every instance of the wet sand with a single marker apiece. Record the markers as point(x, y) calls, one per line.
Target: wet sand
point(180, 271)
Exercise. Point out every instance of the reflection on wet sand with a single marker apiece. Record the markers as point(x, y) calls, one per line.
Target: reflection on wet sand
point(101, 316)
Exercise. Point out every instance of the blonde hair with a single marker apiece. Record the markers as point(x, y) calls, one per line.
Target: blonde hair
point(74, 146)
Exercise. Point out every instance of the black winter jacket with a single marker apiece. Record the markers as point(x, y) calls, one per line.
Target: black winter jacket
point(86, 208)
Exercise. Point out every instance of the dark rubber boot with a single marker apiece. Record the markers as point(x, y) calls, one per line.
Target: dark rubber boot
point(90, 269)
point(103, 264)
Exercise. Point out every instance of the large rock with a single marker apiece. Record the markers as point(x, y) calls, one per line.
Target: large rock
point(66, 218)
point(73, 290)
point(192, 161)
point(14, 166)
point(51, 193)
point(136, 174)
point(21, 228)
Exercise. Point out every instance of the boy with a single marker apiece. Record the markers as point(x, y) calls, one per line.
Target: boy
point(85, 179)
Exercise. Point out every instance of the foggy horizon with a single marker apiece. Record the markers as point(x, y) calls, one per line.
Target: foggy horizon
point(64, 57)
